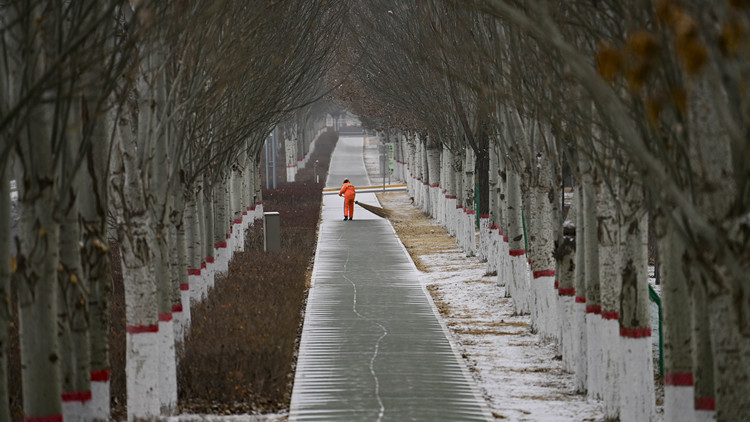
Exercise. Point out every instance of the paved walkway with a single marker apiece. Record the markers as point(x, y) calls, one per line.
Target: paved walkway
point(373, 348)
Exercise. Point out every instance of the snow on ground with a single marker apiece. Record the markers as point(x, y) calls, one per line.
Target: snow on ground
point(520, 377)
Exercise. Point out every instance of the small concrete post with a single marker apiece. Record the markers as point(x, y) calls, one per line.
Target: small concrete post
point(271, 232)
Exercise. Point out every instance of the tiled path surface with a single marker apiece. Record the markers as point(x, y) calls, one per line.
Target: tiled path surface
point(373, 348)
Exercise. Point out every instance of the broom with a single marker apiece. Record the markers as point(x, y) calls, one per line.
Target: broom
point(380, 212)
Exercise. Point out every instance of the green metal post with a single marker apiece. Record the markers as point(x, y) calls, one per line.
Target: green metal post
point(655, 297)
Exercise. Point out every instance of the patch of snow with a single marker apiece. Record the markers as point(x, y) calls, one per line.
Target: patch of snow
point(520, 376)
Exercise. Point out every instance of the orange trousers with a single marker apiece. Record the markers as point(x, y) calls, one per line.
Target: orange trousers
point(349, 206)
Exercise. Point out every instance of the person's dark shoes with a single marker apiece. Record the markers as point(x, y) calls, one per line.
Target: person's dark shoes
point(346, 218)
point(351, 218)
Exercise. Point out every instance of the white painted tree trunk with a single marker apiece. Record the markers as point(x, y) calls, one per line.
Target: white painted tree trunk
point(718, 159)
point(610, 285)
point(208, 236)
point(593, 303)
point(290, 148)
point(580, 347)
point(469, 215)
point(637, 371)
point(565, 274)
point(519, 283)
point(135, 234)
point(541, 245)
point(73, 288)
point(93, 197)
point(678, 364)
point(433, 168)
point(450, 191)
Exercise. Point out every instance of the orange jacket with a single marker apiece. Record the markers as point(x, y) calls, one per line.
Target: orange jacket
point(347, 190)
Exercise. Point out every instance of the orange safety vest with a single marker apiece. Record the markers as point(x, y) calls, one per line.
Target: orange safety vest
point(347, 190)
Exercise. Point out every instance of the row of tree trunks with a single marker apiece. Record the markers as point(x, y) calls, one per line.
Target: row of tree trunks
point(602, 329)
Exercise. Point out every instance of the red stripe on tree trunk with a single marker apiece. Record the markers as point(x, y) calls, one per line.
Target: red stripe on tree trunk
point(177, 308)
point(681, 379)
point(81, 396)
point(638, 332)
point(493, 227)
point(459, 207)
point(100, 376)
point(593, 309)
point(218, 245)
point(238, 221)
point(580, 299)
point(505, 239)
point(244, 212)
point(435, 185)
point(557, 284)
point(705, 403)
point(611, 315)
point(48, 418)
point(470, 212)
point(228, 234)
point(139, 329)
point(450, 196)
point(251, 208)
point(567, 291)
point(194, 272)
point(210, 259)
point(517, 252)
point(184, 286)
point(203, 265)
point(259, 203)
point(484, 216)
point(166, 317)
point(544, 273)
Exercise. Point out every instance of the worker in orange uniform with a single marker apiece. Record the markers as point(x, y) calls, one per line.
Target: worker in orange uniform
point(348, 192)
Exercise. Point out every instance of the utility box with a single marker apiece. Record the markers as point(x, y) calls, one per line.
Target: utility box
point(271, 232)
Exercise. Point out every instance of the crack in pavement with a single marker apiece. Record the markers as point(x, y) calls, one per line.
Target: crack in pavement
point(377, 343)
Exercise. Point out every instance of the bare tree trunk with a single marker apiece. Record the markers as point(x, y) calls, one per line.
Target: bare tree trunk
point(5, 271)
point(208, 235)
point(579, 307)
point(469, 209)
point(457, 165)
point(518, 286)
point(609, 281)
point(678, 360)
point(719, 172)
point(194, 250)
point(433, 169)
point(703, 357)
point(637, 372)
point(36, 269)
point(94, 200)
point(542, 245)
point(591, 273)
point(220, 219)
point(504, 272)
point(135, 235)
point(73, 288)
point(290, 148)
point(450, 191)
